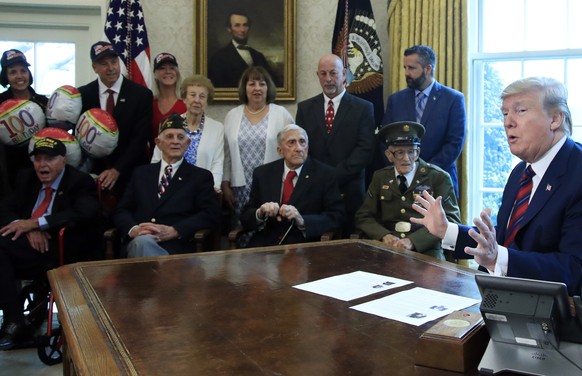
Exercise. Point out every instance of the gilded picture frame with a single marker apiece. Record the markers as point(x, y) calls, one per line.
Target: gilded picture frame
point(271, 34)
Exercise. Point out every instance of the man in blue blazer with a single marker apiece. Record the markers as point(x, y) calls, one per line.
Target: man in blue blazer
point(348, 143)
point(547, 243)
point(444, 111)
point(132, 111)
point(313, 206)
point(165, 203)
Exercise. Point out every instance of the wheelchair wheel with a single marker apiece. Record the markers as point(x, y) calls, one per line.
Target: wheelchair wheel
point(35, 303)
point(50, 348)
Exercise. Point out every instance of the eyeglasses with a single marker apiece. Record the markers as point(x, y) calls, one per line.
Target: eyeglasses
point(400, 154)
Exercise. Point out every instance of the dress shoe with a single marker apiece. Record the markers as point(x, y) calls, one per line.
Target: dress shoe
point(15, 336)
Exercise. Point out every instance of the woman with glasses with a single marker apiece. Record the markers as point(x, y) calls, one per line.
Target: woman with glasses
point(387, 208)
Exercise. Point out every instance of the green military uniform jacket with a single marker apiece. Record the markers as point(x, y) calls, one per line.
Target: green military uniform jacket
point(384, 206)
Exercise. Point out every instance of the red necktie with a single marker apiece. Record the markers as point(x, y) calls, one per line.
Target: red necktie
point(288, 187)
point(110, 105)
point(520, 206)
point(41, 209)
point(329, 115)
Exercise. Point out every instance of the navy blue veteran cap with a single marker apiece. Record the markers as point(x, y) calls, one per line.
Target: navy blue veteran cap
point(100, 49)
point(173, 121)
point(164, 57)
point(12, 57)
point(402, 133)
point(49, 146)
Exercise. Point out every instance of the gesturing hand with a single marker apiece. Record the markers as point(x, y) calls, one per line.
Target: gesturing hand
point(434, 217)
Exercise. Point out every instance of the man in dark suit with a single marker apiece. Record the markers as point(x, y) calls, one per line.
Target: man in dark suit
point(227, 65)
point(539, 224)
point(294, 199)
point(131, 106)
point(341, 136)
point(443, 115)
point(51, 196)
point(165, 203)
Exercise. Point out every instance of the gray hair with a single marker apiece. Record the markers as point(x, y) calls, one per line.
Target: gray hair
point(291, 127)
point(553, 92)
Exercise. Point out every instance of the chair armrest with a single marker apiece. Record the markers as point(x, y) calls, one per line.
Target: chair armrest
point(201, 238)
point(327, 236)
point(233, 237)
point(111, 236)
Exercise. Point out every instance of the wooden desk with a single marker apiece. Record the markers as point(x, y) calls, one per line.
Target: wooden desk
point(235, 313)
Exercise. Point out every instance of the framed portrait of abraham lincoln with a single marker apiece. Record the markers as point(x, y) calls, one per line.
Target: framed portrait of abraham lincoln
point(231, 35)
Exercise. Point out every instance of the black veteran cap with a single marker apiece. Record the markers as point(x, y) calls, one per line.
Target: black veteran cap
point(49, 146)
point(402, 133)
point(173, 121)
point(100, 49)
point(164, 57)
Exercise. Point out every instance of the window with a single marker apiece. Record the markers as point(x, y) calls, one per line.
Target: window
point(516, 39)
point(55, 38)
point(52, 64)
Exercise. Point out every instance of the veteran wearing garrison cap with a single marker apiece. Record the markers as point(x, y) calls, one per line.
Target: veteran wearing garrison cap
point(387, 208)
point(165, 203)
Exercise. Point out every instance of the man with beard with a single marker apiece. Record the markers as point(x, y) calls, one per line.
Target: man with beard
point(227, 65)
point(439, 108)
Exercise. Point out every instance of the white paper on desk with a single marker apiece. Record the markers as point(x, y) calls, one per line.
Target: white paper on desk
point(416, 306)
point(352, 285)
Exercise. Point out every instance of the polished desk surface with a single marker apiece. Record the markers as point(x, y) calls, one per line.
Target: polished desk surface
point(236, 313)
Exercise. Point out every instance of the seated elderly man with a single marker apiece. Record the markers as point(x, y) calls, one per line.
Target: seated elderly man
point(294, 199)
point(165, 203)
point(45, 199)
point(387, 208)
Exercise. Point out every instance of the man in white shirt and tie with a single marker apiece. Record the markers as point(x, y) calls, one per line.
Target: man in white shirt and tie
point(165, 203)
point(546, 202)
point(294, 199)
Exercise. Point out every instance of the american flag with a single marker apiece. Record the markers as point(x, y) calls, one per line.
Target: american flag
point(125, 29)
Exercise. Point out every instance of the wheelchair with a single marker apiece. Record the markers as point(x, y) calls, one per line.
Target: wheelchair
point(38, 303)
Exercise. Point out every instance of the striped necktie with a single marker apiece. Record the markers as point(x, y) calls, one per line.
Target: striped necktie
point(165, 180)
point(520, 206)
point(420, 105)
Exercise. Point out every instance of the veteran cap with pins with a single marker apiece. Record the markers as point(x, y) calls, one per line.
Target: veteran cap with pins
point(402, 133)
point(173, 121)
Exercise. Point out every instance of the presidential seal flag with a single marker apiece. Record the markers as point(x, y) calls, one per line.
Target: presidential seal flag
point(126, 31)
point(355, 40)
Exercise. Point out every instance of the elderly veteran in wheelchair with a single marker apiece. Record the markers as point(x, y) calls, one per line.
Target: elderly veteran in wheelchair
point(387, 208)
point(45, 200)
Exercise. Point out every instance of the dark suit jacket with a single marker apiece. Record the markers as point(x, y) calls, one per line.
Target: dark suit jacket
point(349, 146)
point(75, 205)
point(226, 66)
point(316, 196)
point(444, 119)
point(549, 244)
point(189, 203)
point(133, 114)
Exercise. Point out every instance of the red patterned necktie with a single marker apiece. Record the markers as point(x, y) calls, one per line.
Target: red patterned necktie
point(42, 208)
point(165, 180)
point(288, 187)
point(520, 206)
point(110, 105)
point(329, 116)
